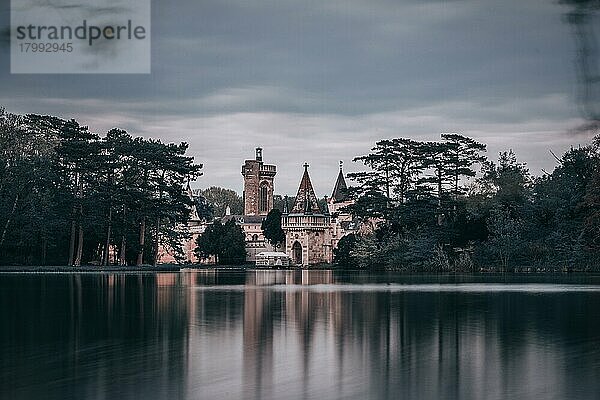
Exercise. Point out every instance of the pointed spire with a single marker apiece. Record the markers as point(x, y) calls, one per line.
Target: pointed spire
point(340, 190)
point(306, 201)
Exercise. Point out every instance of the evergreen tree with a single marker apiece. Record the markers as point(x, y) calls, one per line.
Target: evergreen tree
point(271, 228)
point(342, 255)
point(223, 241)
point(462, 154)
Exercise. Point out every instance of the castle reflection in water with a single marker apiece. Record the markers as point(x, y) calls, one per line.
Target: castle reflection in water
point(287, 334)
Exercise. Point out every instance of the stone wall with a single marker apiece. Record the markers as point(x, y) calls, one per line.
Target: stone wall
point(256, 175)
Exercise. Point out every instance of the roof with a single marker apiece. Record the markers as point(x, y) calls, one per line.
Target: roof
point(340, 190)
point(306, 201)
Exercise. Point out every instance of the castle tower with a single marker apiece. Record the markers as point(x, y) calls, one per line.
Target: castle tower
point(307, 228)
point(339, 197)
point(340, 188)
point(342, 222)
point(258, 185)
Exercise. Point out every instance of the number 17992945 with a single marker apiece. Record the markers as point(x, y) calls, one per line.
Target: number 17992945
point(46, 47)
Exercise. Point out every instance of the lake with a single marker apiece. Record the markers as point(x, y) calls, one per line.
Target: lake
point(298, 335)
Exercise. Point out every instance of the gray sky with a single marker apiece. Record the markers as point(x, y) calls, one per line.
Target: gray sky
point(321, 81)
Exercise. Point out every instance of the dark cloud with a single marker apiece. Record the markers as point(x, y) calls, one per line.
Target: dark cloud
point(320, 81)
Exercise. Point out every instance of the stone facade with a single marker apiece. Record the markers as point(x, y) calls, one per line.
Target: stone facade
point(258, 185)
point(307, 228)
point(308, 239)
point(312, 233)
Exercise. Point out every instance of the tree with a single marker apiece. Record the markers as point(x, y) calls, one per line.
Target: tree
point(565, 207)
point(204, 208)
point(463, 153)
point(342, 255)
point(31, 213)
point(234, 244)
point(507, 184)
point(220, 198)
point(591, 227)
point(393, 164)
point(391, 180)
point(225, 242)
point(505, 237)
point(76, 153)
point(209, 242)
point(271, 227)
point(66, 193)
point(381, 160)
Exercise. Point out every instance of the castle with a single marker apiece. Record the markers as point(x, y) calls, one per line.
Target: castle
point(258, 201)
point(312, 230)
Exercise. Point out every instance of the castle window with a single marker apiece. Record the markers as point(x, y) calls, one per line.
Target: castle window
point(254, 238)
point(263, 203)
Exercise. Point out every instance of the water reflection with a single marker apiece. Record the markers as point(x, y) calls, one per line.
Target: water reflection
point(293, 334)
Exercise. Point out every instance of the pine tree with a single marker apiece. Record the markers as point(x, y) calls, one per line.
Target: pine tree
point(271, 228)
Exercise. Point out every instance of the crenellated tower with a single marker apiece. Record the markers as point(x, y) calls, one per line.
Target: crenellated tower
point(258, 185)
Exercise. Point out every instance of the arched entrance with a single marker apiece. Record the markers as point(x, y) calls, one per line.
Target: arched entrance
point(297, 253)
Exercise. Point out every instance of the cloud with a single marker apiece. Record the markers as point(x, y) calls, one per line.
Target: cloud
point(322, 81)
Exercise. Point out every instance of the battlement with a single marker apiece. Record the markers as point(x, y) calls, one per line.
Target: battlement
point(258, 185)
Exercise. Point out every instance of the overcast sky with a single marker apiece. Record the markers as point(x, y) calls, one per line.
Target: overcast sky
point(320, 81)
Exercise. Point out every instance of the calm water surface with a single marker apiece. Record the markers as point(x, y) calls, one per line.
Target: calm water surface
point(298, 335)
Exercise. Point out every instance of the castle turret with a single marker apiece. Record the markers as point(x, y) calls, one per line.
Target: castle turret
point(342, 222)
point(340, 190)
point(339, 197)
point(258, 185)
point(306, 201)
point(307, 228)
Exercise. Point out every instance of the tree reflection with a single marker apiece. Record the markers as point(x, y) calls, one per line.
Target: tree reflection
point(290, 334)
point(80, 336)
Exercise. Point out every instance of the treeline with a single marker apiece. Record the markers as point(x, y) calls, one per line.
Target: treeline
point(212, 202)
point(442, 206)
point(70, 196)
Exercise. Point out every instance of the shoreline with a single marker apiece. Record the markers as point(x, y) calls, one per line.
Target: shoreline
point(249, 267)
point(90, 269)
